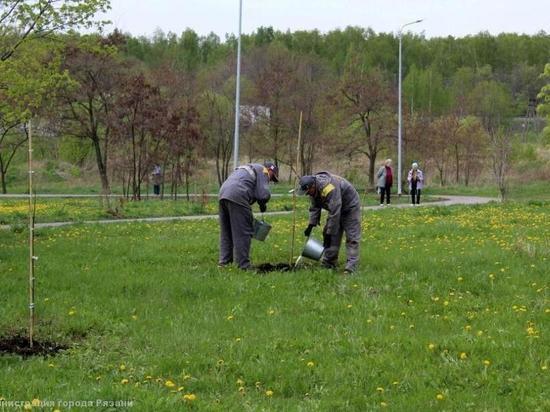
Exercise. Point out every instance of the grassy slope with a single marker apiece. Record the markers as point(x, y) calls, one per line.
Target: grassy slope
point(433, 283)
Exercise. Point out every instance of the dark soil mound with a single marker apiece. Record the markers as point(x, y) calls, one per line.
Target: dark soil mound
point(19, 345)
point(274, 267)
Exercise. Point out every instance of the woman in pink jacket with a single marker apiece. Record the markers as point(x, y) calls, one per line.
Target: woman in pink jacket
point(416, 183)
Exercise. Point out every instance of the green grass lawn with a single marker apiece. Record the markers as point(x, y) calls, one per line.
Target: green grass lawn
point(449, 311)
point(530, 191)
point(15, 211)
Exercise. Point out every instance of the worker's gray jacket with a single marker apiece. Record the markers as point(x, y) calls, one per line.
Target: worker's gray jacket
point(247, 184)
point(334, 194)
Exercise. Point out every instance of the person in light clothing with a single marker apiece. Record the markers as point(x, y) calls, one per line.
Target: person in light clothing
point(416, 183)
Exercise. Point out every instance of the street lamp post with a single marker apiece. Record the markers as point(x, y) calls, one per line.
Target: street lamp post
point(399, 127)
point(238, 92)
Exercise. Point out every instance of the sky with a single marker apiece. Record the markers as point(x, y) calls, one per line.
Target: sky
point(441, 17)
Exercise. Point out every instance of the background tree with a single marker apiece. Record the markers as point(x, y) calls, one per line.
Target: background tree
point(25, 20)
point(544, 95)
point(271, 70)
point(28, 81)
point(368, 103)
point(138, 123)
point(97, 70)
point(492, 103)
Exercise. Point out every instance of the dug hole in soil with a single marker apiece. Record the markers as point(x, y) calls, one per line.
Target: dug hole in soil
point(19, 345)
point(274, 267)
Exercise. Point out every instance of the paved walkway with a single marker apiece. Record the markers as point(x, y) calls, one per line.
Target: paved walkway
point(446, 201)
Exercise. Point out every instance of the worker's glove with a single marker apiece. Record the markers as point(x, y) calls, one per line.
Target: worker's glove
point(326, 240)
point(307, 232)
point(263, 207)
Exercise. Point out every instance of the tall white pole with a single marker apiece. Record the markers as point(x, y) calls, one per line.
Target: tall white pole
point(399, 123)
point(238, 92)
point(399, 116)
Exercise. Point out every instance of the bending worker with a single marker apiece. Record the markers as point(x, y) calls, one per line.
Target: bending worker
point(338, 196)
point(246, 185)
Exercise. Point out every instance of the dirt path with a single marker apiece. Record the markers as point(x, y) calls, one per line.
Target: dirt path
point(447, 201)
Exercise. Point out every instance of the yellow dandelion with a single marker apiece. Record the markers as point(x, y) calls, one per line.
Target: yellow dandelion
point(35, 402)
point(230, 317)
point(467, 327)
point(380, 389)
point(460, 278)
point(169, 384)
point(240, 382)
point(72, 312)
point(51, 365)
point(310, 364)
point(124, 381)
point(241, 389)
point(431, 346)
point(271, 312)
point(463, 355)
point(486, 362)
point(544, 367)
point(269, 393)
point(122, 367)
point(383, 404)
point(439, 397)
point(237, 339)
point(180, 389)
point(189, 397)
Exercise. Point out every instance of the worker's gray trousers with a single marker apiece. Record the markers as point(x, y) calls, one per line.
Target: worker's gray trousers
point(350, 223)
point(236, 230)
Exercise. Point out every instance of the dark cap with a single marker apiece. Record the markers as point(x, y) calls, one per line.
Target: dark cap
point(273, 167)
point(305, 183)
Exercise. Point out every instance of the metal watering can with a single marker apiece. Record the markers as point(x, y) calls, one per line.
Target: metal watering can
point(261, 229)
point(313, 249)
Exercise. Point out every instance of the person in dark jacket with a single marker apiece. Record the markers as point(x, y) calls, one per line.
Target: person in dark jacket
point(385, 181)
point(247, 185)
point(338, 196)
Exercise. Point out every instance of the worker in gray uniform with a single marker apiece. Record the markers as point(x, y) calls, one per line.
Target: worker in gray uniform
point(338, 196)
point(247, 185)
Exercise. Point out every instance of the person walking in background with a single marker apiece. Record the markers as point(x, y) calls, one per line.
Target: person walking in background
point(247, 185)
point(416, 183)
point(385, 181)
point(338, 196)
point(157, 179)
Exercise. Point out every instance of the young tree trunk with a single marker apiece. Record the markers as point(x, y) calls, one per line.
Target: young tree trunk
point(102, 168)
point(4, 188)
point(187, 185)
point(457, 160)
